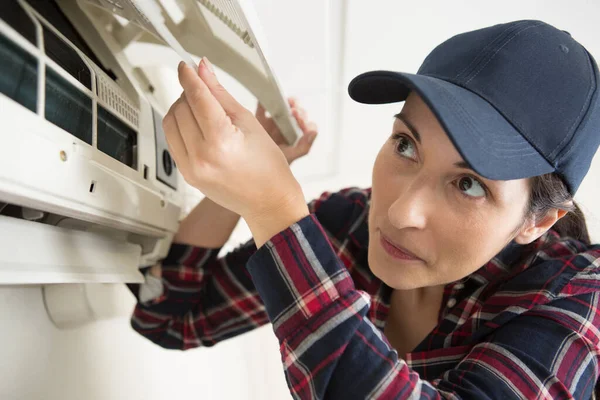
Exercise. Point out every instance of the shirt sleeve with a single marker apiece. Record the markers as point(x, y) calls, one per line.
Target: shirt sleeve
point(203, 299)
point(330, 350)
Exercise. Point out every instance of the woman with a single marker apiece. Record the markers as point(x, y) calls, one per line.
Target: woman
point(453, 276)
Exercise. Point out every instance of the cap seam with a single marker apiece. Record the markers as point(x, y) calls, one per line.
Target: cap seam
point(469, 121)
point(514, 124)
point(491, 44)
point(500, 48)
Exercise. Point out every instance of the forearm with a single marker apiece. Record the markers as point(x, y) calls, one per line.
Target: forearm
point(187, 313)
point(208, 225)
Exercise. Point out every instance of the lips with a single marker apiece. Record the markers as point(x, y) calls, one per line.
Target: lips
point(397, 251)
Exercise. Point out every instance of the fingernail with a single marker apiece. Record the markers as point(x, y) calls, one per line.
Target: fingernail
point(181, 63)
point(208, 65)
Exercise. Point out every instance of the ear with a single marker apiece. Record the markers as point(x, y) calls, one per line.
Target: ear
point(533, 229)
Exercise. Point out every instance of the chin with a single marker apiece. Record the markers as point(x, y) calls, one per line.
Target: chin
point(395, 276)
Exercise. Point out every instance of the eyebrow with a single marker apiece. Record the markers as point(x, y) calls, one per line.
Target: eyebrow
point(410, 127)
point(463, 164)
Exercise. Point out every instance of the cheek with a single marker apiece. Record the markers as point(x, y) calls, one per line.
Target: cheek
point(379, 169)
point(377, 179)
point(466, 244)
point(384, 185)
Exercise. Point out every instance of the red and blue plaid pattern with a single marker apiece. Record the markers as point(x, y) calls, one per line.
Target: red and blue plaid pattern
point(525, 325)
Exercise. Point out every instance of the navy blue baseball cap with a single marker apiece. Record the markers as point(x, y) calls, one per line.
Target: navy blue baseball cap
point(519, 99)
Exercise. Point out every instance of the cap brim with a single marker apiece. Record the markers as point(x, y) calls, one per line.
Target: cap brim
point(490, 144)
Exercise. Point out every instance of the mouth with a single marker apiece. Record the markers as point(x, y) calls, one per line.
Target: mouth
point(396, 251)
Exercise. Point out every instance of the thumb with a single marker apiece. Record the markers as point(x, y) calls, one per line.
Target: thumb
point(260, 111)
point(232, 108)
point(261, 116)
point(301, 148)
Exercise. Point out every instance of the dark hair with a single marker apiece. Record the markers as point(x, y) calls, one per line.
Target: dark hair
point(548, 192)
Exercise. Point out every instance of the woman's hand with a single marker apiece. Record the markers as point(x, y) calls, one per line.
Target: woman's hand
point(308, 128)
point(221, 149)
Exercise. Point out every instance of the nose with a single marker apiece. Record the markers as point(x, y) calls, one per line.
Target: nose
point(412, 205)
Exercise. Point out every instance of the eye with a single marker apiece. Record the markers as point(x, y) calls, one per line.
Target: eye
point(405, 146)
point(471, 187)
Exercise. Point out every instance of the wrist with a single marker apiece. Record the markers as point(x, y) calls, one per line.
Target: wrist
point(267, 225)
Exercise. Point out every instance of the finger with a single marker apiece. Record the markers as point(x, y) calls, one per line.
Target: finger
point(208, 112)
point(311, 128)
point(188, 127)
point(261, 114)
point(301, 122)
point(301, 148)
point(302, 112)
point(174, 140)
point(276, 134)
point(156, 271)
point(232, 108)
point(260, 111)
point(305, 145)
point(292, 101)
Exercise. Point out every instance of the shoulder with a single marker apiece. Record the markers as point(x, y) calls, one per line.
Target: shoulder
point(351, 196)
point(341, 204)
point(339, 211)
point(557, 280)
point(558, 267)
point(576, 263)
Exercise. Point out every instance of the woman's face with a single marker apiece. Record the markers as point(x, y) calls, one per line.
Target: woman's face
point(447, 220)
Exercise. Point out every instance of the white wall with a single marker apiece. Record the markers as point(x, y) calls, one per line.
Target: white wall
point(107, 360)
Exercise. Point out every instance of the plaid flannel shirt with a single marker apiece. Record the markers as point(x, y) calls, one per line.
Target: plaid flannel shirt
point(525, 325)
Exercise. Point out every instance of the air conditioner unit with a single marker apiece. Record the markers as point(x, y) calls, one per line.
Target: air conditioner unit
point(88, 190)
